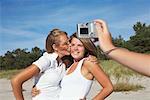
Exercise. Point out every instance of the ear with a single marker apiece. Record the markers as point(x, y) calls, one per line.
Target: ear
point(54, 47)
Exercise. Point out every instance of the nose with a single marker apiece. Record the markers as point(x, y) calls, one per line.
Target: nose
point(69, 44)
point(75, 48)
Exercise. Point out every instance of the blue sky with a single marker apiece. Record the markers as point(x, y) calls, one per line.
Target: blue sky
point(26, 23)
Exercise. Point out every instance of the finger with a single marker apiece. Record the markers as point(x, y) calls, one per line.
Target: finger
point(88, 58)
point(35, 93)
point(93, 59)
point(99, 29)
point(103, 25)
point(100, 22)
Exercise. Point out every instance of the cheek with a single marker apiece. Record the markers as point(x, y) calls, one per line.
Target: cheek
point(82, 50)
point(64, 49)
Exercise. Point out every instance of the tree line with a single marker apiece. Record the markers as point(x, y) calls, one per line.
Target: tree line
point(139, 42)
point(20, 58)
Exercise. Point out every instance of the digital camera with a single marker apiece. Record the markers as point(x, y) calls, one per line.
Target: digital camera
point(86, 30)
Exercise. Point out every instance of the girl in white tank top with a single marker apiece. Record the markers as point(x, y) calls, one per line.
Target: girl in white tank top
point(78, 79)
point(76, 83)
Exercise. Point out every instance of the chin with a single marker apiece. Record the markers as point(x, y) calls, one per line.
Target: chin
point(68, 54)
point(77, 57)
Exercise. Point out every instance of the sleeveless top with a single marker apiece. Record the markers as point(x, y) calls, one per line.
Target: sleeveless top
point(75, 86)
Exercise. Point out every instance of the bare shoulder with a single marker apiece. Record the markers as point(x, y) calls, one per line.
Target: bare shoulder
point(92, 60)
point(90, 64)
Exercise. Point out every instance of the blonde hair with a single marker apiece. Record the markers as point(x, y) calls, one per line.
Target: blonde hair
point(53, 38)
point(90, 48)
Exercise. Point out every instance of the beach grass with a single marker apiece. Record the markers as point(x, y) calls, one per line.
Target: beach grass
point(122, 76)
point(122, 86)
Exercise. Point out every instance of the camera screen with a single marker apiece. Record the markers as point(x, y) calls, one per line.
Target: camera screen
point(83, 30)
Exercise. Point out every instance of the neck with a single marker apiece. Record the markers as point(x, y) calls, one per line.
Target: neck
point(77, 60)
point(59, 57)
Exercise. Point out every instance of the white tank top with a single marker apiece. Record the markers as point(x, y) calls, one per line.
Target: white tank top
point(74, 85)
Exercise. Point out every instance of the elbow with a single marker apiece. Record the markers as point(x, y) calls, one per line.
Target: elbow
point(15, 82)
point(17, 88)
point(109, 88)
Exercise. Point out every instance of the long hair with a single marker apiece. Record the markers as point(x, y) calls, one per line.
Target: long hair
point(90, 48)
point(53, 38)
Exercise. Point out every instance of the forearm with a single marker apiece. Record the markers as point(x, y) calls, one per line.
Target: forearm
point(136, 61)
point(20, 78)
point(105, 92)
point(17, 89)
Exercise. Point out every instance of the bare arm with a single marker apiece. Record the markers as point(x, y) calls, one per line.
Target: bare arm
point(135, 61)
point(102, 78)
point(20, 78)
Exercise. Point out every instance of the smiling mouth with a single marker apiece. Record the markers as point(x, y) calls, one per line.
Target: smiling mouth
point(75, 53)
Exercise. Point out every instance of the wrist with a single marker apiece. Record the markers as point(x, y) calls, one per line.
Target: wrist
point(110, 50)
point(108, 47)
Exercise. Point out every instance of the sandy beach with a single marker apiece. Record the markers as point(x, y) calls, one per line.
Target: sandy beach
point(6, 91)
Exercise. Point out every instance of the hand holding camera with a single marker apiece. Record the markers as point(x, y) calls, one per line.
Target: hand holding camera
point(87, 30)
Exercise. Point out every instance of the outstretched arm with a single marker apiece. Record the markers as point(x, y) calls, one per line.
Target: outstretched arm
point(20, 78)
point(135, 61)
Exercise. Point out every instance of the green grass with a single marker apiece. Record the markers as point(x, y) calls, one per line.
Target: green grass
point(116, 70)
point(8, 73)
point(121, 75)
point(119, 87)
